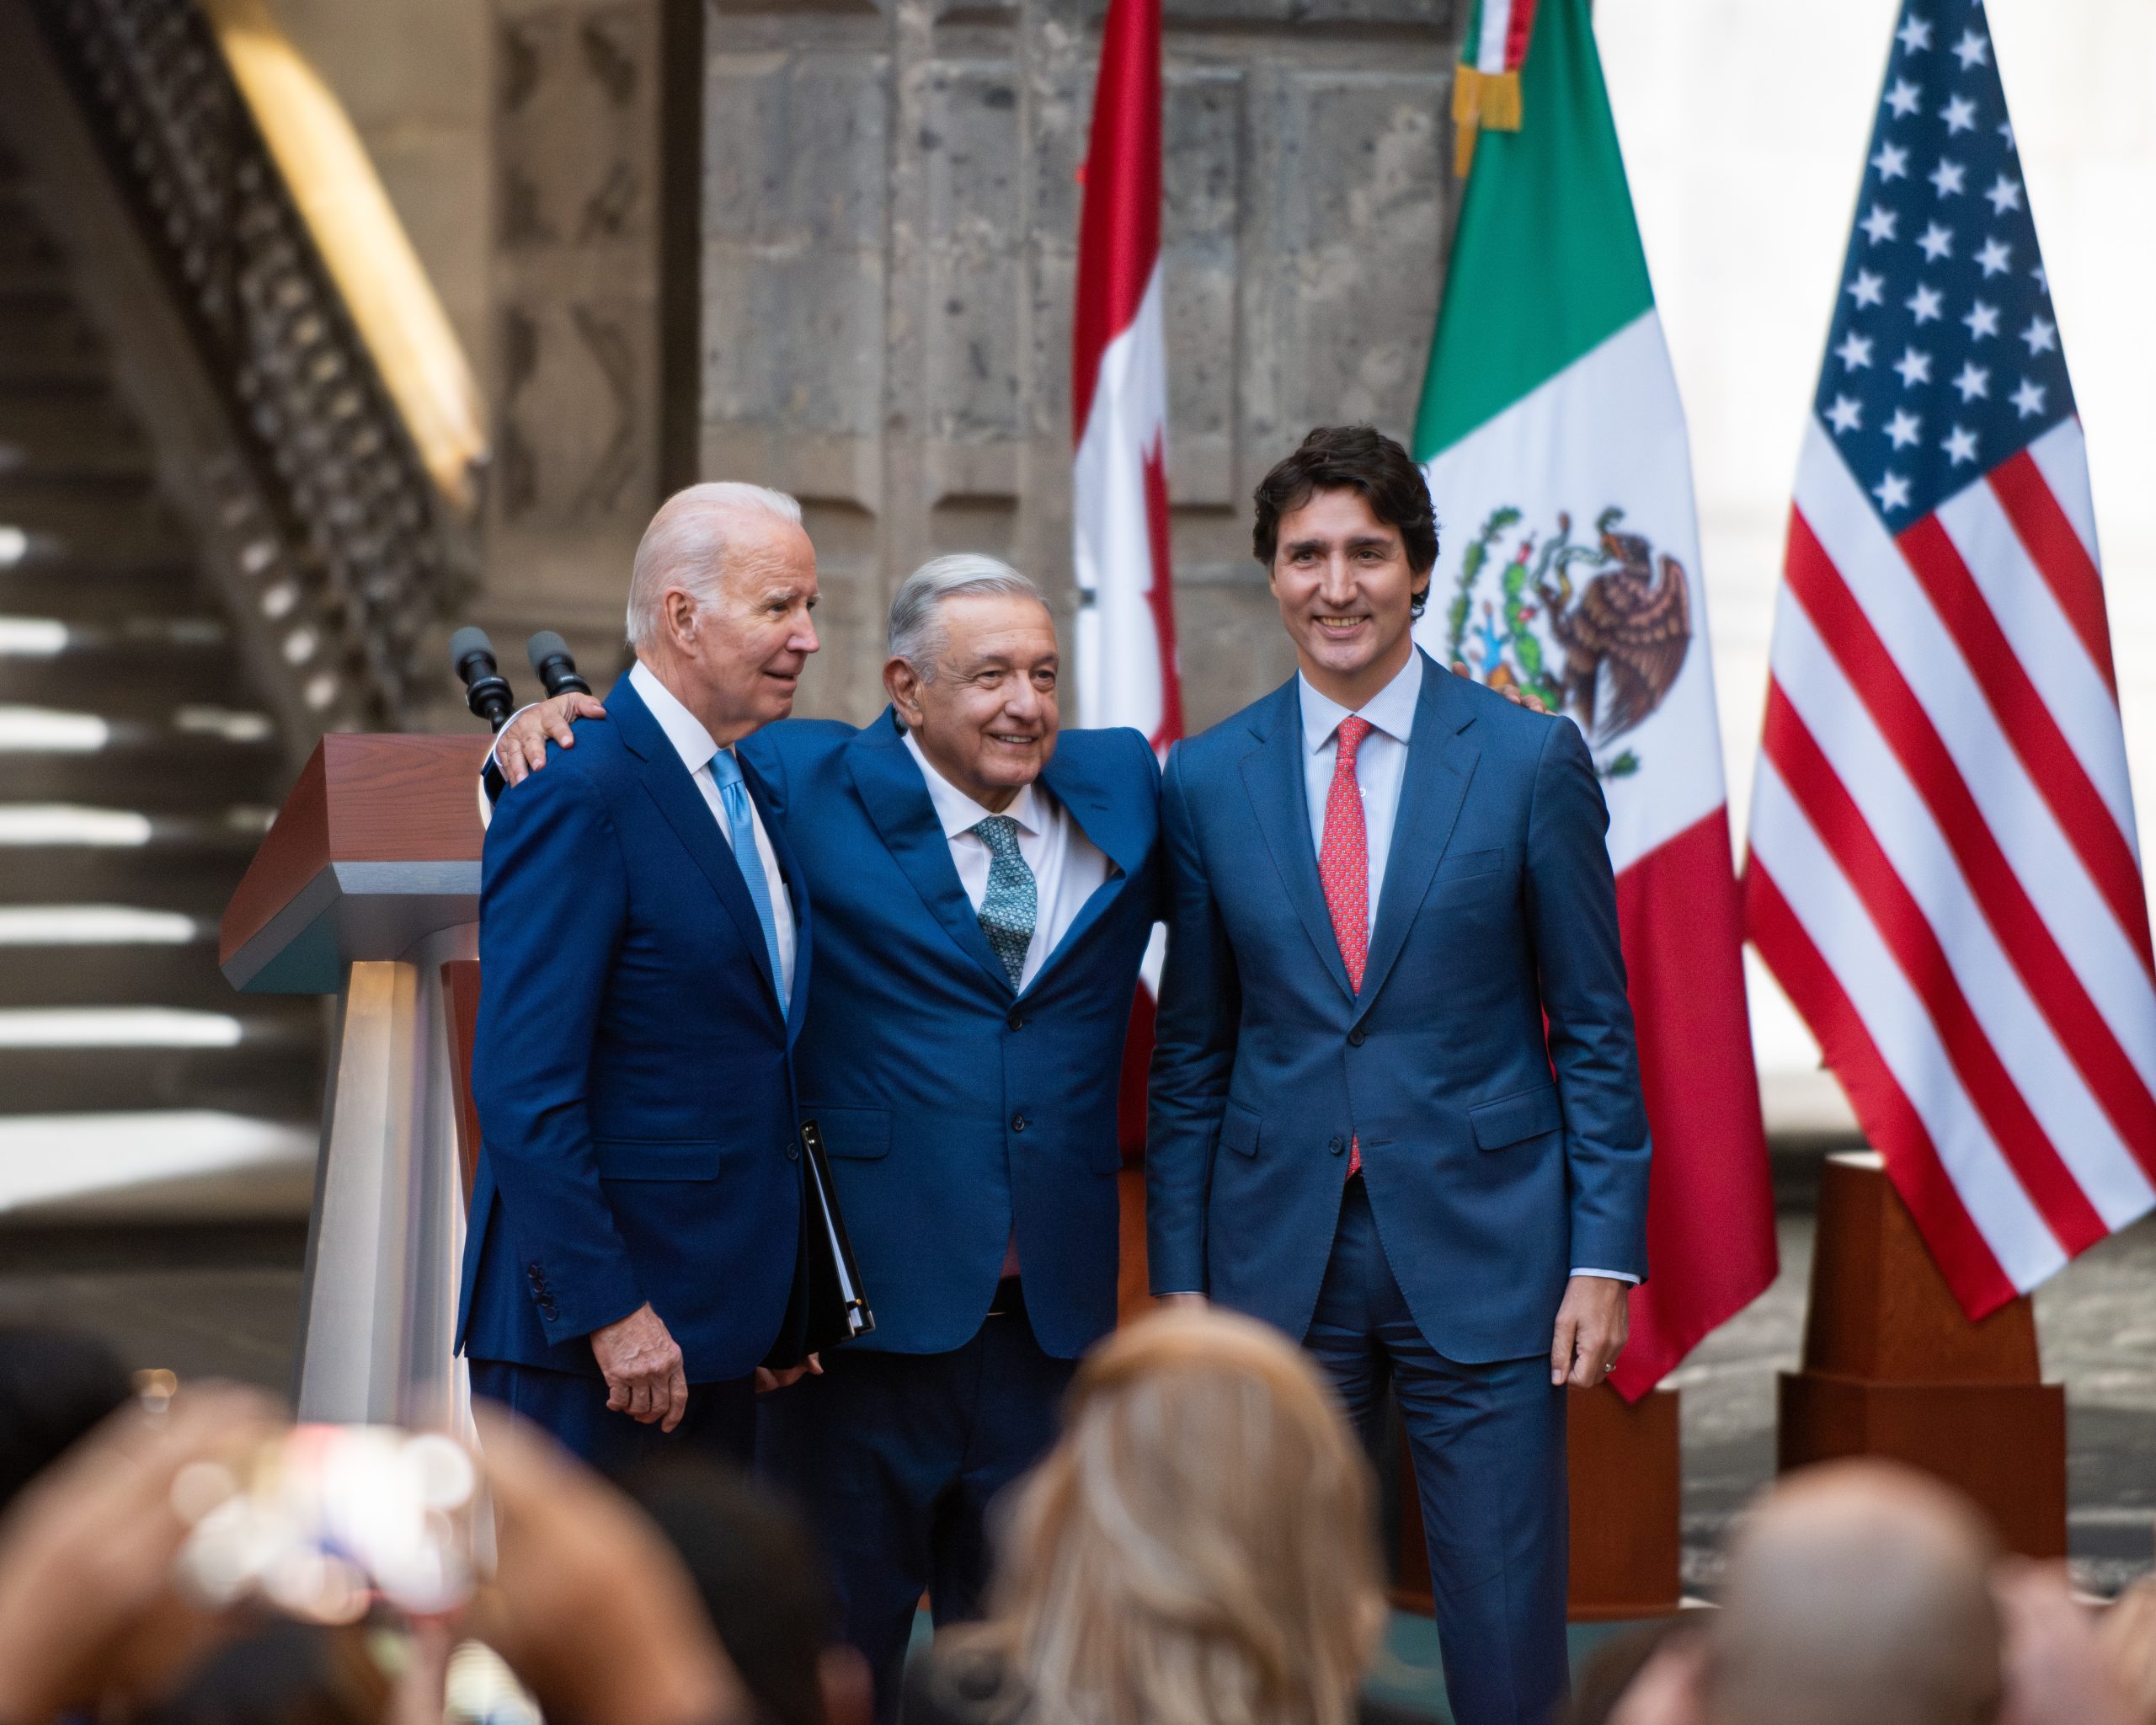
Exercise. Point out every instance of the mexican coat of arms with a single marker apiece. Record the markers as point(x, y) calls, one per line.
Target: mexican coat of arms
point(1599, 627)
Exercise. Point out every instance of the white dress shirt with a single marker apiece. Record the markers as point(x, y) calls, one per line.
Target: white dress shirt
point(1068, 867)
point(693, 743)
point(1381, 766)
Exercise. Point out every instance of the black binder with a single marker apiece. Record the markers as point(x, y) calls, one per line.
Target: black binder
point(828, 1306)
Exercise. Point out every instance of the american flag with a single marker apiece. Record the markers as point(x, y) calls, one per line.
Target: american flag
point(1944, 870)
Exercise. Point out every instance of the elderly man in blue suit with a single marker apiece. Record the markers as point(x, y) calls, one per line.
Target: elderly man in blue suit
point(1396, 1102)
point(985, 884)
point(644, 938)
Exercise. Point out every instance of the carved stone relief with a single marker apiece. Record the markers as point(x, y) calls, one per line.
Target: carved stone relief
point(576, 266)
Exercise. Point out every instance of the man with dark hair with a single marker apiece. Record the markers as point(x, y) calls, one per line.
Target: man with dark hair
point(1401, 1118)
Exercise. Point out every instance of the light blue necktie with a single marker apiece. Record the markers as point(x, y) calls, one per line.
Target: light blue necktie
point(1011, 905)
point(734, 795)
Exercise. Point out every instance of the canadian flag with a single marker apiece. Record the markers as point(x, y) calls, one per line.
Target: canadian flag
point(1119, 399)
point(1127, 673)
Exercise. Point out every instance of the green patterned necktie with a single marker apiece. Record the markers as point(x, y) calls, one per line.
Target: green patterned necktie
point(1012, 901)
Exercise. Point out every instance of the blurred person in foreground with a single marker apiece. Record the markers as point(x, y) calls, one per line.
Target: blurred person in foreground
point(644, 930)
point(1863, 1593)
point(1196, 1550)
point(587, 1605)
point(755, 1566)
point(2127, 1634)
point(55, 1384)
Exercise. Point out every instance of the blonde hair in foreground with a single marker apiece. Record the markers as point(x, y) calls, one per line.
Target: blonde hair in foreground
point(1198, 1549)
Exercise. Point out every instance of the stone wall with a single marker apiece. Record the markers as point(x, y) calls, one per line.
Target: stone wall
point(889, 237)
point(416, 77)
point(889, 229)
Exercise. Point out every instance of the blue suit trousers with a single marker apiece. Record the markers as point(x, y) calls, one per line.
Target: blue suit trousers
point(896, 1458)
point(1488, 1443)
point(721, 1421)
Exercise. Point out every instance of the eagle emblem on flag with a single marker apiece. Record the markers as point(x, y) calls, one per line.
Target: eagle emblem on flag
point(1598, 627)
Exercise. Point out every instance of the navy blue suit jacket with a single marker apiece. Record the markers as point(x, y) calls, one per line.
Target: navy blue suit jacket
point(632, 1071)
point(1496, 1158)
point(952, 1105)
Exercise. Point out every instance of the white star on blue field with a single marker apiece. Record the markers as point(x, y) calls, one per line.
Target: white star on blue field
point(1944, 359)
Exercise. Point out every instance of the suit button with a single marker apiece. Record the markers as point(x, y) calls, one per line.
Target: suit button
point(1338, 1145)
point(793, 1151)
point(1016, 1021)
point(1018, 1123)
point(1355, 1036)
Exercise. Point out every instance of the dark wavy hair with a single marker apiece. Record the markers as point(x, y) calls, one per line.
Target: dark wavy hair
point(1361, 459)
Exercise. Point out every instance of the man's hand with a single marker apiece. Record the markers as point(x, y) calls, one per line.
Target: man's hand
point(768, 1380)
point(522, 748)
point(1592, 1322)
point(642, 1364)
point(1511, 691)
point(1181, 1302)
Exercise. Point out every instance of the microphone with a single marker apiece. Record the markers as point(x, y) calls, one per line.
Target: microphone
point(556, 668)
point(486, 690)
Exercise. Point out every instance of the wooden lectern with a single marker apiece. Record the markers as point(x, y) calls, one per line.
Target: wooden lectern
point(367, 888)
point(1893, 1369)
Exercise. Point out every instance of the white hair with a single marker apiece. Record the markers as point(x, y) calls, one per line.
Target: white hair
point(917, 634)
point(687, 546)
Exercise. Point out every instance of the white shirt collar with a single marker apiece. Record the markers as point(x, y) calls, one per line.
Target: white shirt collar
point(1391, 709)
point(958, 813)
point(683, 728)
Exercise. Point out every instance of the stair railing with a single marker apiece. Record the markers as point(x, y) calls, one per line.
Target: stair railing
point(353, 544)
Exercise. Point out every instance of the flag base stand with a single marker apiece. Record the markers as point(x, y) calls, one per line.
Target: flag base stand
point(1892, 1368)
point(1627, 1491)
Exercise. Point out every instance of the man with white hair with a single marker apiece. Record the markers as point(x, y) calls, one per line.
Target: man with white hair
point(644, 937)
point(984, 884)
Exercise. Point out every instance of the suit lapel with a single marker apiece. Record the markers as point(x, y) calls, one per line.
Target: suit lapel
point(667, 782)
point(1272, 775)
point(1073, 778)
point(1440, 763)
point(897, 801)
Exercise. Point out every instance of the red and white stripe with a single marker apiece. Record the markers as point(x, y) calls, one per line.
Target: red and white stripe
point(1943, 870)
point(1127, 673)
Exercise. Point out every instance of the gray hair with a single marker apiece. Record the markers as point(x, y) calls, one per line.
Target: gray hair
point(686, 545)
point(917, 634)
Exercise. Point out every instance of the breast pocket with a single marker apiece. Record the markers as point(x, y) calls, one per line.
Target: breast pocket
point(1470, 865)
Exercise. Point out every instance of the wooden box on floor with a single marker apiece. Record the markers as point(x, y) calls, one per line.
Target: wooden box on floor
point(1893, 1369)
point(1626, 1490)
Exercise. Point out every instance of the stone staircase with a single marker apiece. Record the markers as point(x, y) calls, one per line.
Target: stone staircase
point(136, 775)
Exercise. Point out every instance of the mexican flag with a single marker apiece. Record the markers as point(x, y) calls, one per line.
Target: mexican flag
point(1554, 442)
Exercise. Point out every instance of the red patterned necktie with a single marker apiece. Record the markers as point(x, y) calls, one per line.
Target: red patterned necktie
point(1344, 865)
